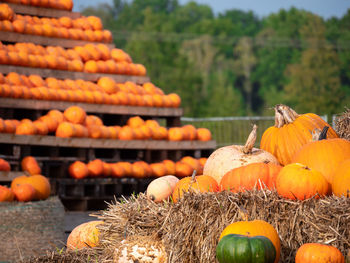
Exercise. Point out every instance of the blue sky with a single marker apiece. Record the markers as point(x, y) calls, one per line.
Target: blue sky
point(324, 8)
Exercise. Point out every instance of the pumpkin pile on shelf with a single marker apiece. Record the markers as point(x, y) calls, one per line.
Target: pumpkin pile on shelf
point(139, 169)
point(75, 122)
point(31, 186)
point(91, 58)
point(105, 91)
point(55, 4)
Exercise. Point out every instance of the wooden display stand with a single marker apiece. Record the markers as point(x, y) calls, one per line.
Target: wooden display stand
point(55, 154)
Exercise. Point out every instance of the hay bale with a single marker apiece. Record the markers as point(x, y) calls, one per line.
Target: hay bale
point(342, 125)
point(28, 229)
point(190, 229)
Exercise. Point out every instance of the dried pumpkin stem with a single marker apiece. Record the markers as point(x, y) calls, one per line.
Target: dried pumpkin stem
point(288, 114)
point(279, 121)
point(248, 147)
point(318, 135)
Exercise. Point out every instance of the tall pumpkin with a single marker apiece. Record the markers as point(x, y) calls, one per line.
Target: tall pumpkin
point(227, 158)
point(291, 132)
point(324, 155)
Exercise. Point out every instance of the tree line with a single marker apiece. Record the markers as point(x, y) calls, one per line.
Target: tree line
point(235, 63)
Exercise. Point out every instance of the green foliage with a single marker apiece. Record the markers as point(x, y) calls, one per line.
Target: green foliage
point(234, 63)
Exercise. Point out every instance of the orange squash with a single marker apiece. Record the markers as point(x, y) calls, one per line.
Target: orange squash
point(84, 235)
point(4, 165)
point(40, 183)
point(341, 179)
point(201, 183)
point(78, 170)
point(75, 114)
point(30, 165)
point(6, 194)
point(318, 253)
point(24, 192)
point(95, 168)
point(161, 188)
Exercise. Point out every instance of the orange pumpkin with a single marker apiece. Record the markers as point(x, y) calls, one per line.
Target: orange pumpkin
point(291, 132)
point(6, 194)
point(170, 167)
point(324, 155)
point(201, 183)
point(95, 167)
point(318, 253)
point(30, 165)
point(297, 181)
point(84, 235)
point(203, 134)
point(158, 169)
point(183, 169)
point(40, 183)
point(135, 122)
point(249, 176)
point(341, 179)
point(78, 170)
point(24, 192)
point(117, 170)
point(4, 165)
point(175, 134)
point(75, 114)
point(65, 130)
point(255, 228)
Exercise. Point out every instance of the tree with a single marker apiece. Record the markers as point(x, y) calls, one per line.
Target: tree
point(314, 83)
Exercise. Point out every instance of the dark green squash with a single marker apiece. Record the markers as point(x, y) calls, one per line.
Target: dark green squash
point(234, 248)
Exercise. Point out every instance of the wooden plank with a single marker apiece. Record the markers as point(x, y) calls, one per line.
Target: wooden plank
point(15, 37)
point(42, 11)
point(64, 74)
point(9, 176)
point(52, 141)
point(90, 108)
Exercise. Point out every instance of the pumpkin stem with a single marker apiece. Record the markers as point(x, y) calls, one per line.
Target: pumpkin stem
point(194, 176)
point(288, 115)
point(250, 141)
point(318, 135)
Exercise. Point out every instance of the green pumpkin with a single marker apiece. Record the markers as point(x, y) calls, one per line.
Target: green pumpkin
point(234, 248)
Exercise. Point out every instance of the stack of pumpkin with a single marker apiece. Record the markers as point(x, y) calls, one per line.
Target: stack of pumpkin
point(30, 186)
point(75, 122)
point(139, 169)
point(89, 58)
point(105, 91)
point(55, 4)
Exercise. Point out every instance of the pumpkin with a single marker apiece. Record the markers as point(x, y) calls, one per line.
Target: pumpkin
point(6, 194)
point(78, 170)
point(258, 175)
point(341, 179)
point(324, 155)
point(161, 188)
point(252, 229)
point(291, 132)
point(298, 181)
point(239, 248)
point(84, 235)
point(4, 165)
point(201, 183)
point(40, 183)
point(227, 158)
point(158, 169)
point(318, 253)
point(75, 114)
point(95, 168)
point(30, 165)
point(24, 192)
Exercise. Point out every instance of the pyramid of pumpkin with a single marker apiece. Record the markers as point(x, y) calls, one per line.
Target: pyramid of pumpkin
point(54, 4)
point(92, 58)
point(75, 122)
point(104, 91)
point(83, 28)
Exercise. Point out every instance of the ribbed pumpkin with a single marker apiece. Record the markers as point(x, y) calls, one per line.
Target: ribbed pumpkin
point(239, 248)
point(291, 132)
point(259, 175)
point(227, 158)
point(318, 253)
point(297, 181)
point(84, 235)
point(201, 183)
point(341, 179)
point(252, 229)
point(324, 155)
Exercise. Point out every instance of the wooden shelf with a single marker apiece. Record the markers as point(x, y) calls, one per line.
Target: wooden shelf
point(9, 176)
point(90, 108)
point(15, 37)
point(53, 141)
point(42, 11)
point(64, 74)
